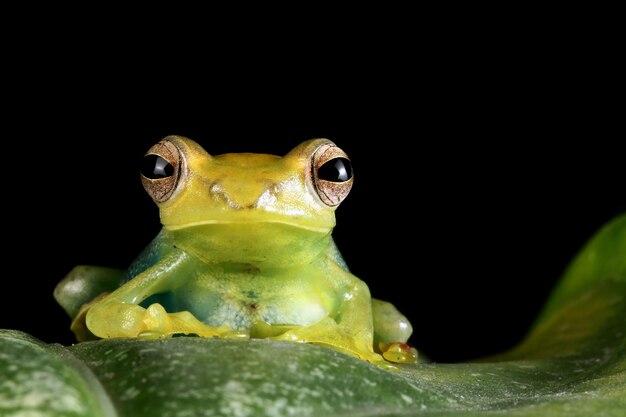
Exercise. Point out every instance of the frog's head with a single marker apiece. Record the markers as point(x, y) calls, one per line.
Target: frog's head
point(247, 207)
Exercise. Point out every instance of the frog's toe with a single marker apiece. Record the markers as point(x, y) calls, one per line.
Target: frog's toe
point(151, 335)
point(156, 320)
point(79, 323)
point(235, 334)
point(398, 352)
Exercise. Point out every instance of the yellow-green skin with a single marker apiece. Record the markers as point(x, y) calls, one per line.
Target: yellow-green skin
point(246, 251)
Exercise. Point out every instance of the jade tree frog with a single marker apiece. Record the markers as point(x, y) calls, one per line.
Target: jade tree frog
point(245, 251)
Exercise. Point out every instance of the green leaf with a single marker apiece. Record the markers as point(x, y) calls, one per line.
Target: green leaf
point(573, 363)
point(46, 380)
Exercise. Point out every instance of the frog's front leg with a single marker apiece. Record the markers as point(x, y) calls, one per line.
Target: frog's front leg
point(120, 315)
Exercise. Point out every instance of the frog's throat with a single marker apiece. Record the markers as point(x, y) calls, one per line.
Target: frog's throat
point(173, 227)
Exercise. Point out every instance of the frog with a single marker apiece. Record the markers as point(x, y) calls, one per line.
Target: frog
point(245, 250)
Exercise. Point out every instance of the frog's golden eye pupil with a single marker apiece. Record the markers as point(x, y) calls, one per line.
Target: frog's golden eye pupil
point(155, 167)
point(335, 170)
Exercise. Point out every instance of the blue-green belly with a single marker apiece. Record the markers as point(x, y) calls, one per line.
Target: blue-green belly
point(226, 301)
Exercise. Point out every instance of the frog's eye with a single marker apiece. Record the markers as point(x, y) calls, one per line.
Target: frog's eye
point(332, 174)
point(160, 170)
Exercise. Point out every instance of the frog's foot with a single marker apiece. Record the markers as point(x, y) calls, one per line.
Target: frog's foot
point(328, 333)
point(159, 323)
point(398, 352)
point(107, 319)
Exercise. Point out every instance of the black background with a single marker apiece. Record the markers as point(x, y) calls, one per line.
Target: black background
point(479, 172)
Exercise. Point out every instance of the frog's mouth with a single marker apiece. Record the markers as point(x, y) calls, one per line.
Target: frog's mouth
point(174, 227)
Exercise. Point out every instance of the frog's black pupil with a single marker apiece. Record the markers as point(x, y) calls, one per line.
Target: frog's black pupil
point(335, 170)
point(155, 167)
